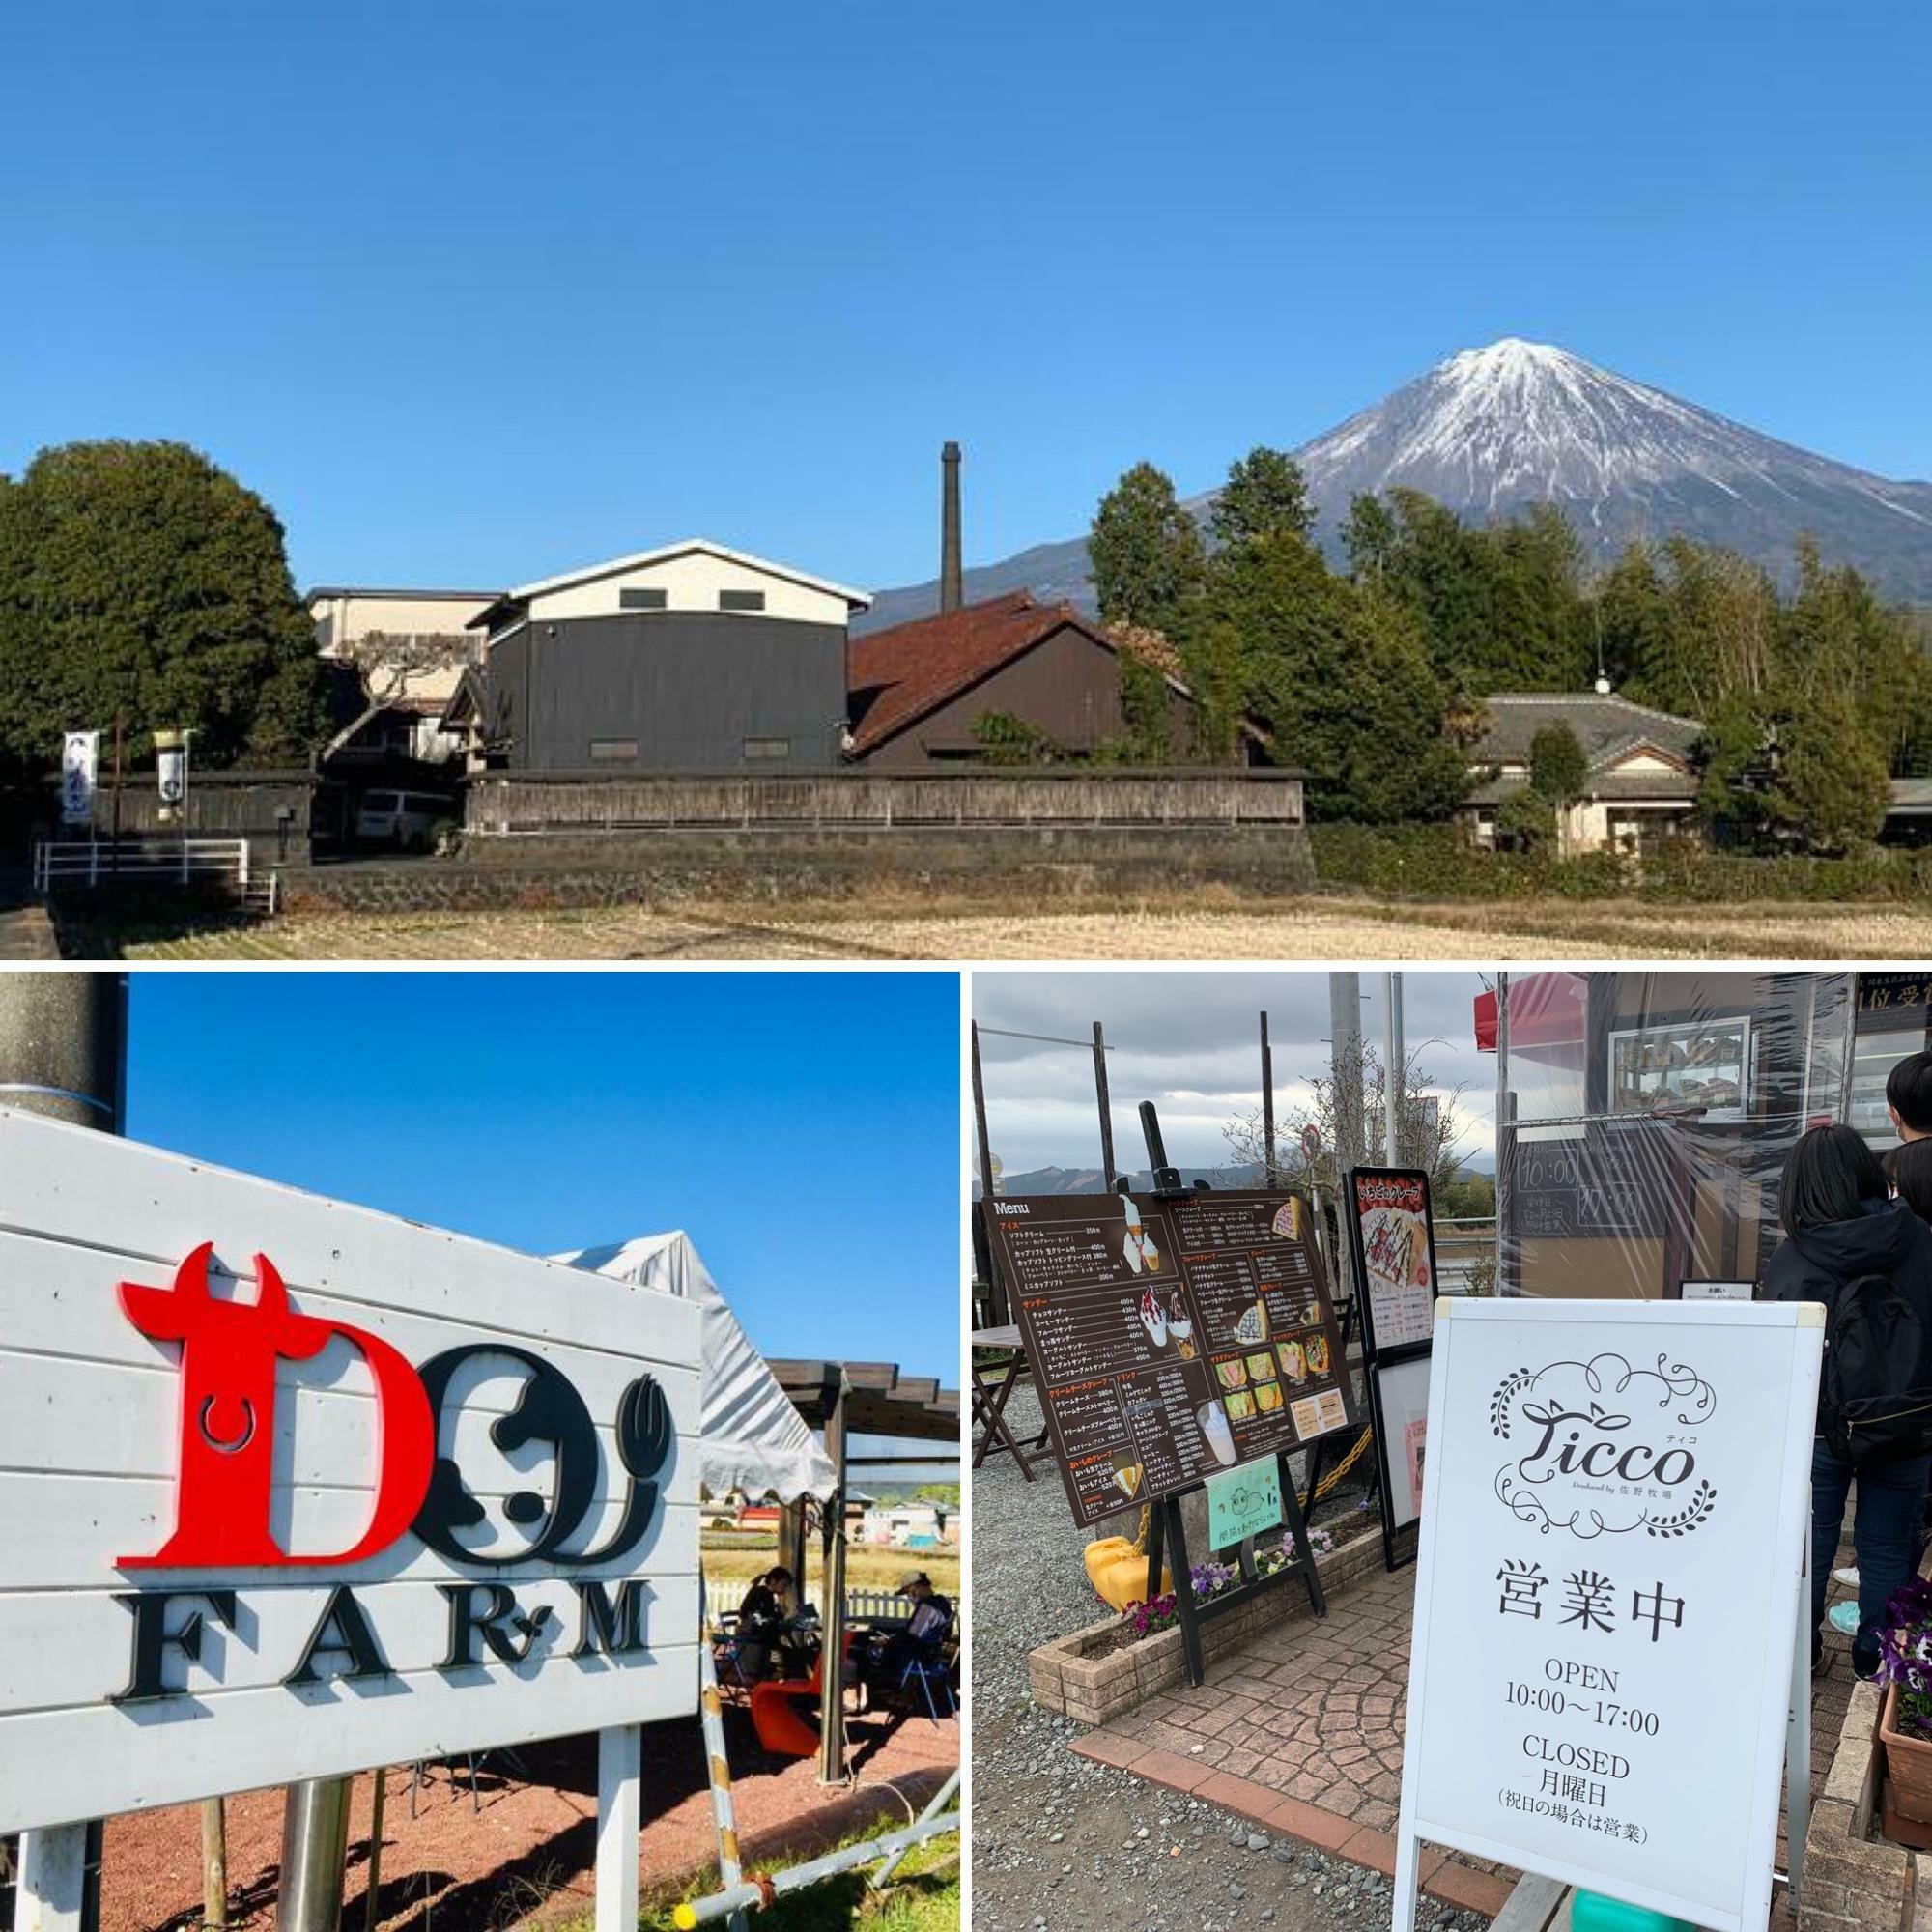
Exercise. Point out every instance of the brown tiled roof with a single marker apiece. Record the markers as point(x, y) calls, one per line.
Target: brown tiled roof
point(901, 676)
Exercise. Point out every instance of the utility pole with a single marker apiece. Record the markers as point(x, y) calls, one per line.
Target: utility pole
point(1344, 1051)
point(1395, 1056)
point(63, 1054)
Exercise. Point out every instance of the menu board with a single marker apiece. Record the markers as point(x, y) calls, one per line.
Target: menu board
point(1395, 1252)
point(1170, 1339)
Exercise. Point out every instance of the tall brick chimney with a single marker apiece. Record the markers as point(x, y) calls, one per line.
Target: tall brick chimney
point(951, 580)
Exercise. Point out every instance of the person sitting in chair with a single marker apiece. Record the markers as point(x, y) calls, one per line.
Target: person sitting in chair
point(761, 1623)
point(926, 1629)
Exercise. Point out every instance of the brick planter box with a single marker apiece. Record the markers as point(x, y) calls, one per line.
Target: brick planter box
point(1079, 1677)
point(1856, 1881)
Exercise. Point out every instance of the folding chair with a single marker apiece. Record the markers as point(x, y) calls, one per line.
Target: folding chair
point(928, 1668)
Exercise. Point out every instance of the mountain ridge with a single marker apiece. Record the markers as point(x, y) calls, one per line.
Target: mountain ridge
point(1489, 431)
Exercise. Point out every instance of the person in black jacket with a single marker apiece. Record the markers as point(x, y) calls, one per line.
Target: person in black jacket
point(762, 1623)
point(1841, 1223)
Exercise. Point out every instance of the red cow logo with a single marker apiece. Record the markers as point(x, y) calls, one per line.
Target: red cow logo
point(228, 1355)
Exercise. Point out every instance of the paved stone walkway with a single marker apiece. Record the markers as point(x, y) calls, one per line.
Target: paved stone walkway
point(1301, 1731)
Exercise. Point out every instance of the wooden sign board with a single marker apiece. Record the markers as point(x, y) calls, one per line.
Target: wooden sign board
point(292, 1488)
point(1607, 1605)
point(1171, 1339)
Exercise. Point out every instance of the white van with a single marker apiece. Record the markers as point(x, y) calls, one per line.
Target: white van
point(404, 820)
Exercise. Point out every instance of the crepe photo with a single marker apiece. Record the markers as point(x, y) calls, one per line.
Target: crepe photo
point(1395, 1245)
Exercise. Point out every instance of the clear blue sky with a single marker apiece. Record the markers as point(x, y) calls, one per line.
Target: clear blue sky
point(802, 1127)
point(476, 290)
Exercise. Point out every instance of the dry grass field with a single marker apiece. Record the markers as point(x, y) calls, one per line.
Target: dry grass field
point(1203, 924)
point(730, 1563)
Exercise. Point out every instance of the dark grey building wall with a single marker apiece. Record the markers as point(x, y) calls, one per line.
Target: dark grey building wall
point(690, 688)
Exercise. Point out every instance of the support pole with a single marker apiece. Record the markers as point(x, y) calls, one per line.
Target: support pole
point(315, 1841)
point(832, 1672)
point(1105, 1100)
point(988, 1188)
point(371, 1897)
point(214, 1864)
point(1345, 1049)
point(723, 1815)
point(1270, 1172)
point(1505, 1131)
point(620, 1757)
point(53, 1885)
point(1395, 1060)
point(941, 1799)
point(63, 1054)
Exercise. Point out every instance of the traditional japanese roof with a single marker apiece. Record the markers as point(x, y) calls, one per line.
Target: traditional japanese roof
point(1614, 733)
point(1607, 726)
point(900, 676)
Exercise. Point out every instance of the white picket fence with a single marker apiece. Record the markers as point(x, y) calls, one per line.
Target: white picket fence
point(93, 863)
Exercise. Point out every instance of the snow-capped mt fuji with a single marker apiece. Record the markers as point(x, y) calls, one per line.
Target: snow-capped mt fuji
point(1491, 431)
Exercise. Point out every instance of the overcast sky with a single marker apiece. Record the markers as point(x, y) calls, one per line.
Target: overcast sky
point(1190, 1043)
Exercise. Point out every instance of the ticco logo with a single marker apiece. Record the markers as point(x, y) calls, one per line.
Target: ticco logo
point(229, 1352)
point(1607, 1448)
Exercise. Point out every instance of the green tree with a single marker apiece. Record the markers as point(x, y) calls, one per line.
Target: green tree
point(1558, 764)
point(1147, 712)
point(1369, 535)
point(1145, 554)
point(140, 581)
point(1265, 496)
point(1340, 676)
point(1006, 739)
point(1832, 788)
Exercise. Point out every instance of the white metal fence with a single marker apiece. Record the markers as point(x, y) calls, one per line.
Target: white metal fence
point(107, 862)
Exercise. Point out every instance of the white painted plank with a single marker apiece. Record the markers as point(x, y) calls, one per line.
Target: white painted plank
point(68, 1304)
point(60, 1412)
point(59, 1765)
point(57, 1527)
point(61, 1651)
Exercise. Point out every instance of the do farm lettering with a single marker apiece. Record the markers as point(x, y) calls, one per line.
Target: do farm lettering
point(227, 1355)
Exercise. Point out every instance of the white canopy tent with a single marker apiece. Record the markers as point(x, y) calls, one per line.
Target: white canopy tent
point(754, 1440)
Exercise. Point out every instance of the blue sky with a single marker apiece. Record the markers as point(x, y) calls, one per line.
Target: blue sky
point(802, 1127)
point(473, 292)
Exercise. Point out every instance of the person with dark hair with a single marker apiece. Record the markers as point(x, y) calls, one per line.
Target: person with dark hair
point(762, 1623)
point(1844, 1231)
point(1908, 1097)
point(1909, 1165)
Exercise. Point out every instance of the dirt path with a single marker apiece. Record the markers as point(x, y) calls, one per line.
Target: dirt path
point(1307, 928)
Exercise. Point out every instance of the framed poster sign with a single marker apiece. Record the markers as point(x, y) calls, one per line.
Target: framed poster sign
point(1402, 1400)
point(1171, 1339)
point(292, 1488)
point(1607, 1485)
point(1393, 1239)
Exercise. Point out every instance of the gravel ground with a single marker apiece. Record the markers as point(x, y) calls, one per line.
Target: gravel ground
point(1062, 1842)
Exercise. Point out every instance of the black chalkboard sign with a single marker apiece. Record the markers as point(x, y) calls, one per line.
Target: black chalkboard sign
point(1170, 1339)
point(1611, 1182)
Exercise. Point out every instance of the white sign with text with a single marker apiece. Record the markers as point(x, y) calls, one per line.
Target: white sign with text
point(290, 1489)
point(1607, 1596)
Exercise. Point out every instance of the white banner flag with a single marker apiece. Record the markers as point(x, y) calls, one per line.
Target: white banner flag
point(80, 763)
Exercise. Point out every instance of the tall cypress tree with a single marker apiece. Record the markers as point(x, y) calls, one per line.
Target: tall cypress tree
point(1145, 554)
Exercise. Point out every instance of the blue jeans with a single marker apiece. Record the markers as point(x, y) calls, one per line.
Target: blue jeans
point(1887, 1532)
